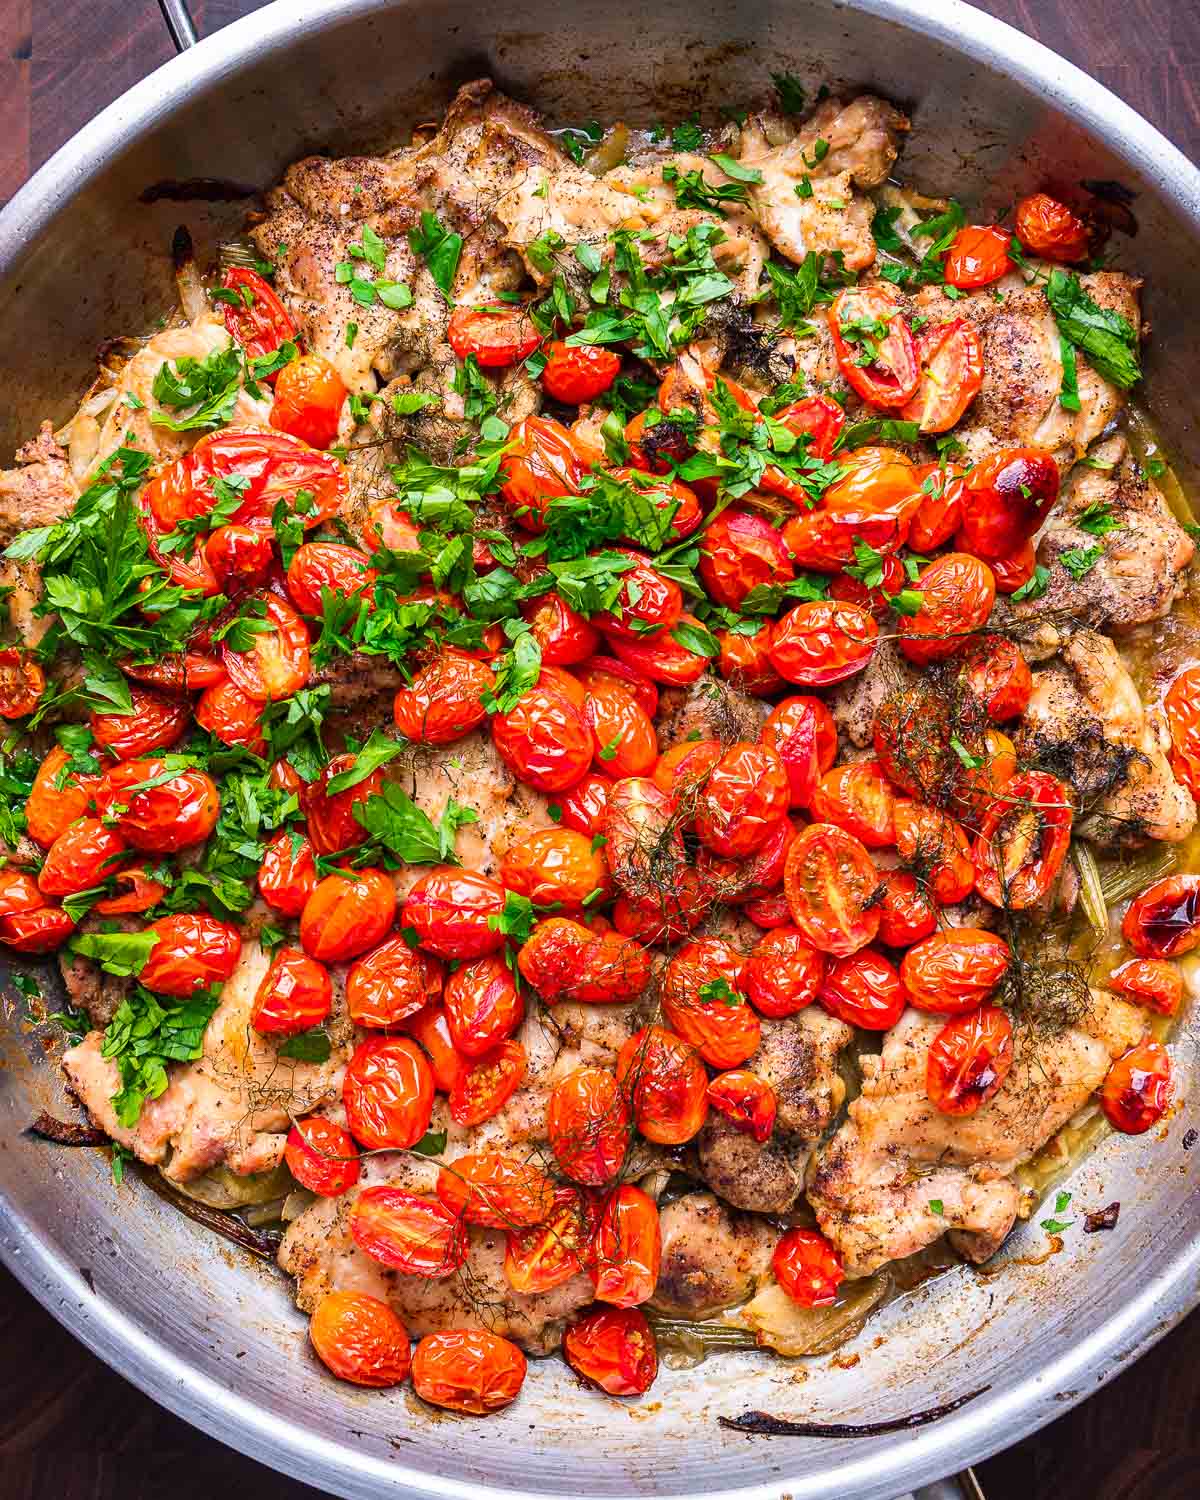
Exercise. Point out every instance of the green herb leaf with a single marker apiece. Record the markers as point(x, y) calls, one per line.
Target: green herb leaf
point(121, 953)
point(1079, 561)
point(378, 750)
point(439, 248)
point(311, 1046)
point(733, 168)
point(395, 821)
point(791, 93)
point(1109, 340)
point(1034, 587)
point(205, 390)
point(1097, 519)
point(432, 1143)
point(144, 1036)
point(696, 639)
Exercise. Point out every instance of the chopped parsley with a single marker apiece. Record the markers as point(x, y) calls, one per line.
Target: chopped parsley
point(1109, 340)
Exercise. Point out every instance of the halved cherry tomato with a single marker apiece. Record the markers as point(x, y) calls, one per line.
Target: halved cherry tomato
point(296, 994)
point(951, 360)
point(235, 719)
point(872, 503)
point(1164, 921)
point(1023, 840)
point(309, 396)
point(80, 857)
point(957, 593)
point(663, 658)
point(22, 683)
point(978, 255)
point(998, 675)
point(410, 1233)
point(277, 664)
point(155, 810)
point(347, 913)
point(817, 644)
point(1006, 497)
point(802, 731)
point(582, 808)
point(240, 557)
point(969, 1060)
point(613, 1348)
point(665, 1083)
point(744, 1098)
point(954, 971)
point(544, 740)
point(320, 567)
point(1137, 1090)
point(625, 741)
point(741, 551)
point(497, 335)
point(906, 914)
point(40, 931)
point(937, 849)
point(703, 1003)
point(830, 882)
point(555, 867)
point(58, 796)
point(545, 1256)
point(1048, 228)
point(496, 1191)
point(808, 1268)
point(455, 913)
point(576, 375)
point(994, 765)
point(360, 1339)
point(874, 345)
point(321, 1156)
point(743, 798)
point(1182, 705)
point(562, 633)
point(483, 1087)
point(387, 985)
point(863, 990)
point(287, 876)
point(587, 1126)
point(445, 700)
point(136, 892)
point(664, 494)
point(644, 842)
point(939, 514)
point(258, 321)
point(746, 663)
point(19, 892)
point(783, 973)
point(858, 798)
point(190, 952)
point(543, 461)
point(483, 1007)
point(467, 1370)
point(153, 723)
point(1151, 982)
point(820, 418)
point(387, 1091)
point(624, 1255)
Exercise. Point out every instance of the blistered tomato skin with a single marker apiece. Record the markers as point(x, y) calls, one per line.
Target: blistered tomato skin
point(802, 732)
point(1164, 921)
point(1137, 1090)
point(744, 661)
point(743, 798)
point(544, 740)
point(240, 557)
point(277, 664)
point(808, 1268)
point(565, 637)
point(994, 670)
point(703, 1002)
point(407, 1232)
point(625, 740)
point(154, 722)
point(818, 644)
point(309, 395)
point(388, 1093)
point(1048, 228)
point(969, 1060)
point(332, 825)
point(613, 1348)
point(933, 843)
point(455, 913)
point(957, 593)
point(497, 335)
point(978, 255)
point(321, 1156)
point(467, 1370)
point(661, 657)
point(496, 1191)
point(740, 551)
point(587, 1126)
point(296, 994)
point(890, 379)
point(578, 374)
point(624, 1255)
point(863, 990)
point(320, 566)
point(1023, 840)
point(81, 856)
point(347, 914)
point(159, 816)
point(783, 973)
point(954, 971)
point(952, 367)
point(260, 324)
point(1006, 497)
point(40, 931)
point(235, 719)
point(582, 808)
point(191, 951)
point(360, 1339)
point(287, 876)
point(664, 1081)
point(555, 867)
point(484, 1086)
point(19, 893)
point(482, 1005)
point(544, 460)
point(445, 699)
point(858, 798)
point(906, 913)
point(50, 807)
point(1151, 982)
point(387, 985)
point(745, 1099)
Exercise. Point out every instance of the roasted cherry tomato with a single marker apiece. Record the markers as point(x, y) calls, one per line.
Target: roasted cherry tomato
point(957, 593)
point(497, 335)
point(648, 602)
point(80, 857)
point(19, 893)
point(954, 971)
point(999, 677)
point(1014, 569)
point(153, 723)
point(347, 913)
point(1137, 1090)
point(874, 345)
point(663, 657)
point(136, 892)
point(1151, 982)
point(543, 461)
point(939, 514)
point(992, 765)
point(685, 767)
point(22, 683)
point(1164, 921)
point(59, 795)
point(744, 1098)
point(644, 843)
point(40, 931)
point(575, 375)
point(190, 952)
point(287, 876)
point(410, 1233)
point(609, 671)
point(296, 994)
point(978, 255)
point(665, 1083)
point(483, 1087)
point(240, 557)
point(937, 849)
point(820, 419)
point(321, 1156)
point(742, 800)
point(702, 1002)
point(783, 973)
point(624, 1254)
point(562, 633)
point(455, 913)
point(483, 1007)
point(541, 1258)
point(808, 1268)
point(587, 1126)
point(741, 551)
point(331, 822)
point(258, 321)
point(1006, 497)
point(467, 1369)
point(155, 811)
point(614, 1349)
point(445, 700)
point(360, 1339)
point(877, 599)
point(387, 985)
point(951, 360)
point(745, 661)
point(1023, 840)
point(309, 396)
point(277, 664)
point(738, 880)
point(872, 504)
point(177, 671)
point(801, 730)
point(858, 798)
point(432, 1030)
point(830, 882)
point(582, 808)
point(625, 740)
point(969, 1060)
point(388, 1093)
point(1048, 228)
point(555, 867)
point(496, 1191)
point(655, 445)
point(544, 740)
point(817, 644)
point(232, 717)
point(906, 914)
point(317, 568)
point(863, 990)
point(1182, 705)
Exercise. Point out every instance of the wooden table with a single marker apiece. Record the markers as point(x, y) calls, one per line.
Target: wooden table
point(72, 1430)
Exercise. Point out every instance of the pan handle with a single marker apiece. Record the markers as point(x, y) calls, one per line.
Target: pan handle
point(179, 23)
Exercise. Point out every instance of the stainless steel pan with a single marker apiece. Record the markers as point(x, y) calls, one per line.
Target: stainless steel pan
point(82, 257)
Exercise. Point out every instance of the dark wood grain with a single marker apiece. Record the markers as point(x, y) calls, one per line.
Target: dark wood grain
point(69, 1428)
